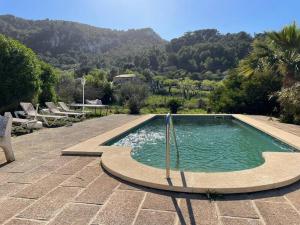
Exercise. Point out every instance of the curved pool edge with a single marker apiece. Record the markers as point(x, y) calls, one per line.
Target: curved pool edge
point(280, 169)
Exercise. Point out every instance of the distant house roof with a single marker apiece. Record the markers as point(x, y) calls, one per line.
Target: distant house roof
point(126, 76)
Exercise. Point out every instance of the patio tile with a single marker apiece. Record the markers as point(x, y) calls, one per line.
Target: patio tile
point(31, 176)
point(11, 206)
point(237, 208)
point(4, 176)
point(59, 162)
point(160, 202)
point(240, 221)
point(120, 209)
point(84, 177)
point(294, 198)
point(8, 189)
point(42, 187)
point(99, 190)
point(197, 211)
point(278, 213)
point(74, 166)
point(95, 162)
point(46, 207)
point(21, 167)
point(276, 195)
point(76, 214)
point(127, 186)
point(148, 217)
point(24, 222)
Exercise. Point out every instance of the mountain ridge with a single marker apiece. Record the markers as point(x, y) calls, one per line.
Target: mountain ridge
point(62, 42)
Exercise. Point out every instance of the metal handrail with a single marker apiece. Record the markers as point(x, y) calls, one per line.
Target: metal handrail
point(170, 124)
point(168, 117)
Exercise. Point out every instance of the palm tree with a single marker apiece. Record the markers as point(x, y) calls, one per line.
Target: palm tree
point(278, 52)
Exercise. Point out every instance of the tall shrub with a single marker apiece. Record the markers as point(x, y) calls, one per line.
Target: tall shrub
point(49, 80)
point(133, 95)
point(19, 74)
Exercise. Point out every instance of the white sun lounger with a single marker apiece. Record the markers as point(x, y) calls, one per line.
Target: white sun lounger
point(53, 109)
point(31, 112)
point(5, 136)
point(66, 108)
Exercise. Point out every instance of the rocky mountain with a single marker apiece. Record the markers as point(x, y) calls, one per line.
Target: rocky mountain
point(67, 44)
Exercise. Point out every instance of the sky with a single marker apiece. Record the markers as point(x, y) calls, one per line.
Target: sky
point(169, 18)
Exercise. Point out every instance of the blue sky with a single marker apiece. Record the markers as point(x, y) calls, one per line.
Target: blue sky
point(169, 18)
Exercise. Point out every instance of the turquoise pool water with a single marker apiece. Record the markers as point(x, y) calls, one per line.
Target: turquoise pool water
point(206, 144)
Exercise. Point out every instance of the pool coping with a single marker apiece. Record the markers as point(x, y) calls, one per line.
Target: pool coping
point(274, 173)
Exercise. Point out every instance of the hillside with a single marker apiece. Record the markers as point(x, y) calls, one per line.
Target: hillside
point(201, 54)
point(66, 44)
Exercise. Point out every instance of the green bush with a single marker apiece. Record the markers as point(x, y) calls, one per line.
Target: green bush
point(289, 99)
point(49, 80)
point(19, 74)
point(65, 87)
point(133, 95)
point(242, 94)
point(174, 104)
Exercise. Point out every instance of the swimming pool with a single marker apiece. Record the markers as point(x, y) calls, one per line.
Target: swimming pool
point(206, 144)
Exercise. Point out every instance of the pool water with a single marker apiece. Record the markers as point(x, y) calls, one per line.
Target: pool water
point(205, 143)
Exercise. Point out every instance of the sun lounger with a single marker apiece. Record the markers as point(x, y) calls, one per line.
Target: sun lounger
point(66, 108)
point(27, 123)
point(31, 112)
point(53, 109)
point(5, 136)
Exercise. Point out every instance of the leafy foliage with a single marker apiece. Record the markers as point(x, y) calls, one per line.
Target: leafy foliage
point(133, 95)
point(289, 99)
point(278, 52)
point(49, 80)
point(174, 104)
point(242, 94)
point(19, 74)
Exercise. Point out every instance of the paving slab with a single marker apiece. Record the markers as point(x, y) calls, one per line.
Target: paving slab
point(197, 211)
point(294, 198)
point(4, 176)
point(9, 189)
point(276, 195)
point(278, 213)
point(30, 177)
point(98, 191)
point(240, 221)
point(130, 186)
point(75, 214)
point(47, 206)
point(41, 187)
point(149, 217)
point(24, 222)
point(163, 201)
point(237, 208)
point(121, 208)
point(11, 206)
point(75, 165)
point(23, 166)
point(84, 177)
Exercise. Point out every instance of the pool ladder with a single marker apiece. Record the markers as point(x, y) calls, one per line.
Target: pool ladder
point(170, 126)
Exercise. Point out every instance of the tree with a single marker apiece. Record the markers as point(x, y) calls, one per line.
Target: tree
point(170, 83)
point(289, 99)
point(278, 52)
point(133, 95)
point(49, 79)
point(246, 94)
point(19, 74)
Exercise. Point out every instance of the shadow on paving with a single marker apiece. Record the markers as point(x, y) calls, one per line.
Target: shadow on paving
point(188, 198)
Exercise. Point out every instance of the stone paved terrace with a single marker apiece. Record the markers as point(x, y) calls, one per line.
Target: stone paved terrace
point(42, 187)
